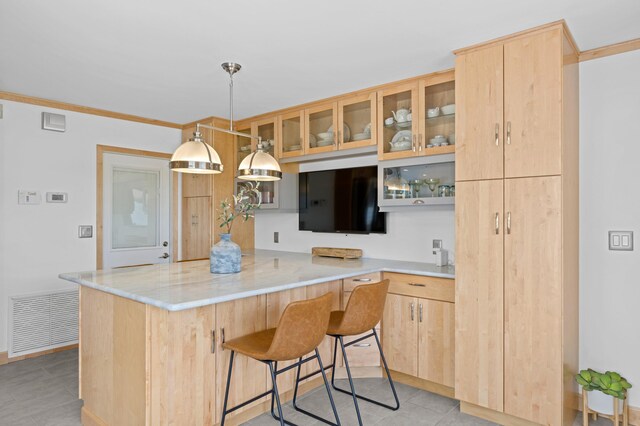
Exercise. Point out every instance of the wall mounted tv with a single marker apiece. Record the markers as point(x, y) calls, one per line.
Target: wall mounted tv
point(340, 201)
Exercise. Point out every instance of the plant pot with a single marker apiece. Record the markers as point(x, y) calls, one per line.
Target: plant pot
point(602, 403)
point(225, 256)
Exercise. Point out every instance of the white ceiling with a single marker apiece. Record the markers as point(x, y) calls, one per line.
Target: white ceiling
point(161, 59)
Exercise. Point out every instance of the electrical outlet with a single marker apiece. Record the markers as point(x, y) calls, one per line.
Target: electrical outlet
point(276, 237)
point(621, 240)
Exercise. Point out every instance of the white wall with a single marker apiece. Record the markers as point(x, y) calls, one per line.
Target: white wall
point(610, 200)
point(38, 242)
point(409, 234)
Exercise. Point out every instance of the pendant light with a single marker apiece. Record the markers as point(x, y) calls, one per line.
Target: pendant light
point(195, 156)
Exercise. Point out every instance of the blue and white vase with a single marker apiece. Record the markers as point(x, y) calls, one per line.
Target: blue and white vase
point(225, 256)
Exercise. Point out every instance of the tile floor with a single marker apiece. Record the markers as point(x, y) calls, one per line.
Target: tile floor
point(43, 391)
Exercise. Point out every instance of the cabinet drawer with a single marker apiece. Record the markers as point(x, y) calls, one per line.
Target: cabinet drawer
point(363, 354)
point(423, 287)
point(351, 283)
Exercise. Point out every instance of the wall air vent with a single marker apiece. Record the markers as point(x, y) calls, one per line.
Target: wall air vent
point(42, 321)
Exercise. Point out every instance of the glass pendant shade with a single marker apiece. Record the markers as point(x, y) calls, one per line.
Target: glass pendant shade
point(259, 166)
point(195, 156)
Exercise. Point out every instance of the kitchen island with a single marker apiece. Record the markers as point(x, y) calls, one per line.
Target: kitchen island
point(151, 336)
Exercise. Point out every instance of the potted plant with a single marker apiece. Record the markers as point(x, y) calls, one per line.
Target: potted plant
point(225, 255)
point(609, 385)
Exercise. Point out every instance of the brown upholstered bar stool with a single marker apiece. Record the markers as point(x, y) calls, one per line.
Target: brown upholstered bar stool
point(300, 330)
point(363, 312)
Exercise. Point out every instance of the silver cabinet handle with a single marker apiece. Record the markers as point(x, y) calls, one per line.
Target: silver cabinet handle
point(420, 312)
point(413, 145)
point(497, 134)
point(411, 311)
point(418, 202)
point(497, 223)
point(508, 133)
point(164, 256)
point(213, 341)
point(362, 280)
point(417, 284)
point(508, 222)
point(362, 345)
point(222, 331)
point(420, 142)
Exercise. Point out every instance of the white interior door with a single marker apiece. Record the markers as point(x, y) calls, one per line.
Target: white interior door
point(136, 211)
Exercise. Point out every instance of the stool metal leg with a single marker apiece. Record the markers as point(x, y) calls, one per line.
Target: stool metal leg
point(353, 390)
point(275, 393)
point(226, 392)
point(346, 363)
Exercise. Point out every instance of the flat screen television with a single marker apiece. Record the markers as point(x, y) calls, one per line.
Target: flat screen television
point(340, 201)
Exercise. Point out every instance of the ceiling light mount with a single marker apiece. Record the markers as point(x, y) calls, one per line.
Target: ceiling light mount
point(231, 67)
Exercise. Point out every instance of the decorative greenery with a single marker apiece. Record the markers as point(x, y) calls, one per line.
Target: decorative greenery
point(610, 383)
point(245, 202)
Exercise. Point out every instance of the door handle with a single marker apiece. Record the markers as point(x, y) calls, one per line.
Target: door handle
point(412, 316)
point(165, 243)
point(164, 256)
point(413, 145)
point(497, 134)
point(497, 223)
point(508, 133)
point(213, 341)
point(420, 142)
point(362, 345)
point(420, 312)
point(362, 280)
point(417, 284)
point(508, 223)
point(222, 330)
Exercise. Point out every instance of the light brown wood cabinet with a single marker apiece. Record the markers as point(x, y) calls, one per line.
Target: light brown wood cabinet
point(510, 101)
point(418, 332)
point(291, 134)
point(196, 185)
point(249, 377)
point(516, 227)
point(196, 227)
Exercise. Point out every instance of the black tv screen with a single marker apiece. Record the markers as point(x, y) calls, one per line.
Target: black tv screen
point(342, 200)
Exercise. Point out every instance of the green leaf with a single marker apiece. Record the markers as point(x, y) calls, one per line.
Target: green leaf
point(625, 384)
point(582, 382)
point(616, 386)
point(605, 381)
point(614, 376)
point(586, 375)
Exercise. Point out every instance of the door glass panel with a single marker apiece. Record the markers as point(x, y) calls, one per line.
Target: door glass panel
point(440, 114)
point(397, 135)
point(321, 131)
point(291, 140)
point(268, 134)
point(244, 146)
point(357, 118)
point(134, 217)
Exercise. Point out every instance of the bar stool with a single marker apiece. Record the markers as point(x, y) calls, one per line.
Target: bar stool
point(301, 328)
point(364, 310)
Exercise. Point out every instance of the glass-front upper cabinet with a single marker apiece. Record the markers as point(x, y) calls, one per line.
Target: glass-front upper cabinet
point(397, 127)
point(438, 113)
point(266, 129)
point(244, 147)
point(357, 116)
point(417, 181)
point(321, 134)
point(291, 134)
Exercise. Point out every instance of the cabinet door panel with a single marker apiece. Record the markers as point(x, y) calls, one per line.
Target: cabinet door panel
point(533, 105)
point(479, 293)
point(479, 98)
point(196, 227)
point(326, 347)
point(235, 319)
point(436, 334)
point(196, 185)
point(533, 300)
point(400, 333)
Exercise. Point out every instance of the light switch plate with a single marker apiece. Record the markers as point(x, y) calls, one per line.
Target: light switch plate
point(85, 231)
point(621, 240)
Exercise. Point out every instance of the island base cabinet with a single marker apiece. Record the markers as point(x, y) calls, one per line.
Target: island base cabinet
point(249, 378)
point(145, 365)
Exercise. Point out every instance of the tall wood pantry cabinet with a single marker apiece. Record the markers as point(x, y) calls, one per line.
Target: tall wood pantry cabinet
point(517, 226)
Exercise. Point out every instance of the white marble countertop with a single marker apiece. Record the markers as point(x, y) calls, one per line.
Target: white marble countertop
point(179, 286)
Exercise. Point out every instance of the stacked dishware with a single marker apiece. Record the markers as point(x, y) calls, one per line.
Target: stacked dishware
point(366, 134)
